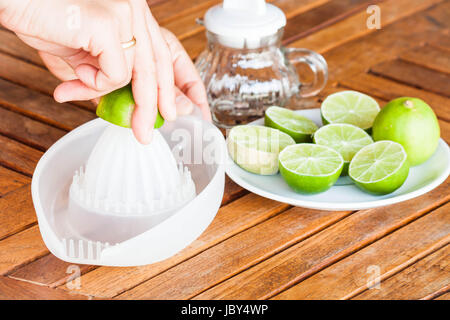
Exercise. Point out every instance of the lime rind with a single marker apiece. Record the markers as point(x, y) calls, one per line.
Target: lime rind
point(117, 107)
point(297, 126)
point(386, 153)
point(350, 107)
point(291, 120)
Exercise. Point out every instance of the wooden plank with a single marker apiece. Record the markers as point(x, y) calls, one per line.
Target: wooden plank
point(175, 9)
point(232, 191)
point(310, 256)
point(11, 180)
point(28, 131)
point(445, 296)
point(439, 15)
point(38, 271)
point(322, 17)
point(445, 130)
point(11, 44)
point(18, 157)
point(32, 76)
point(231, 219)
point(436, 294)
point(430, 57)
point(360, 54)
point(49, 271)
point(387, 89)
point(235, 254)
point(186, 26)
point(355, 26)
point(11, 289)
point(416, 281)
point(16, 212)
point(389, 255)
point(20, 249)
point(414, 75)
point(42, 107)
point(27, 74)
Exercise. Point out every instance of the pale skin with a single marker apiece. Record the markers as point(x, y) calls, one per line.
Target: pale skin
point(80, 41)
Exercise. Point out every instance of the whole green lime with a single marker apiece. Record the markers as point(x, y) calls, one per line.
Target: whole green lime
point(412, 123)
point(117, 107)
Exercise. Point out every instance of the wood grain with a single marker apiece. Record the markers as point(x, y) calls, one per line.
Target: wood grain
point(16, 211)
point(360, 54)
point(388, 90)
point(49, 271)
point(300, 261)
point(414, 75)
point(42, 107)
point(11, 44)
point(389, 255)
point(445, 296)
point(235, 255)
point(430, 57)
point(28, 131)
point(232, 191)
point(18, 157)
point(416, 281)
point(11, 180)
point(20, 249)
point(11, 289)
point(355, 25)
point(322, 17)
point(436, 294)
point(31, 76)
point(27, 74)
point(231, 219)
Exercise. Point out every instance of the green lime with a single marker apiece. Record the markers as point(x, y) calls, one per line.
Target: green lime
point(295, 125)
point(256, 148)
point(310, 168)
point(350, 107)
point(346, 139)
point(413, 124)
point(380, 168)
point(117, 107)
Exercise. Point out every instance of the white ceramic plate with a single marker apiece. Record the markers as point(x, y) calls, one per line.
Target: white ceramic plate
point(344, 195)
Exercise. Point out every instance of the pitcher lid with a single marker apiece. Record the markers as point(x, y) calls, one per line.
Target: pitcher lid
point(250, 19)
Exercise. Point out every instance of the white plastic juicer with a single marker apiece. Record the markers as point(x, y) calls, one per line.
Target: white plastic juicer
point(127, 204)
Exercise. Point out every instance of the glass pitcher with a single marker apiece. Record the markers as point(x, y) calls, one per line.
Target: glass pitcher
point(244, 79)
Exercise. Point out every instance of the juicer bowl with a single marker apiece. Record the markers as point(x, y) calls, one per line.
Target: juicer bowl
point(76, 235)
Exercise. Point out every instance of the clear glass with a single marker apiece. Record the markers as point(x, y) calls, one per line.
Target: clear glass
point(243, 82)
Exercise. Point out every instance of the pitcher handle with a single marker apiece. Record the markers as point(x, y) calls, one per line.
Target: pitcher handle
point(316, 63)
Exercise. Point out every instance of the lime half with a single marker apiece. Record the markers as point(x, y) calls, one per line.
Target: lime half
point(350, 107)
point(295, 125)
point(380, 167)
point(256, 148)
point(346, 139)
point(117, 107)
point(310, 168)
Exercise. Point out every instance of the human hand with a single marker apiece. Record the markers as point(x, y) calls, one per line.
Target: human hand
point(87, 55)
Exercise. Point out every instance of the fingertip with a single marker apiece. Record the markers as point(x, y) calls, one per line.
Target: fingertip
point(59, 94)
point(143, 135)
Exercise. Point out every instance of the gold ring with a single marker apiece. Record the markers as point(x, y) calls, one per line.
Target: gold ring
point(129, 44)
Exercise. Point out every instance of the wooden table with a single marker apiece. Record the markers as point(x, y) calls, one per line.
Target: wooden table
point(255, 248)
